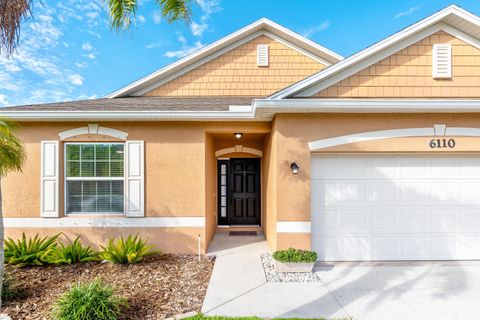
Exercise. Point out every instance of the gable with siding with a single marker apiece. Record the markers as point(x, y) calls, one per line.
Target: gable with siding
point(408, 74)
point(236, 72)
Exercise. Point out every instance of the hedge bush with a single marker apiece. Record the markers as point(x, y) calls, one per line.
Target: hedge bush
point(295, 255)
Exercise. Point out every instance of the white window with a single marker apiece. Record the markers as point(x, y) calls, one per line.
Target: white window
point(262, 55)
point(94, 178)
point(442, 61)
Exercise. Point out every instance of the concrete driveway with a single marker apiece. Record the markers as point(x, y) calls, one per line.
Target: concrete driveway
point(411, 291)
point(368, 291)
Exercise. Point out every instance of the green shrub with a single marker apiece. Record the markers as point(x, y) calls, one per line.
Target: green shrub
point(295, 255)
point(130, 250)
point(9, 290)
point(33, 251)
point(74, 252)
point(89, 301)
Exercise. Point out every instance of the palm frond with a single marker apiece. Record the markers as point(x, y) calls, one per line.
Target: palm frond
point(12, 14)
point(12, 150)
point(174, 10)
point(122, 12)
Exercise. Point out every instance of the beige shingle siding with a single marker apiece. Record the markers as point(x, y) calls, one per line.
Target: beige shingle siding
point(236, 73)
point(408, 74)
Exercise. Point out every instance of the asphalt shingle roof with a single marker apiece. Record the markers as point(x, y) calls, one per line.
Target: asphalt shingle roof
point(140, 104)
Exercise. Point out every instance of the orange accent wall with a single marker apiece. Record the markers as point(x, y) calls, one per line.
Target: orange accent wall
point(408, 74)
point(236, 73)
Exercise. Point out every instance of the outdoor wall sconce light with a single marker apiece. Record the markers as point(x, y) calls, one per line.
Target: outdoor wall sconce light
point(295, 168)
point(238, 135)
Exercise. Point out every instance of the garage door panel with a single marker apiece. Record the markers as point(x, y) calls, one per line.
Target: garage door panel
point(381, 192)
point(443, 192)
point(326, 168)
point(413, 192)
point(414, 220)
point(444, 167)
point(385, 248)
point(444, 220)
point(355, 247)
point(354, 221)
point(414, 248)
point(396, 207)
point(384, 220)
point(469, 167)
point(469, 192)
point(470, 219)
point(413, 167)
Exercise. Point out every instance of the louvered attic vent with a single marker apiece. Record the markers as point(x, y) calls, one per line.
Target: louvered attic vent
point(442, 61)
point(262, 55)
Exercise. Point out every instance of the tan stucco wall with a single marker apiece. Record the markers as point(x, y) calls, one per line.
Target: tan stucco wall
point(293, 132)
point(178, 167)
point(168, 240)
point(293, 240)
point(269, 207)
point(236, 73)
point(408, 74)
point(210, 188)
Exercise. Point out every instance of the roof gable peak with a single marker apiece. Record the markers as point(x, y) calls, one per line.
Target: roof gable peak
point(452, 19)
point(262, 26)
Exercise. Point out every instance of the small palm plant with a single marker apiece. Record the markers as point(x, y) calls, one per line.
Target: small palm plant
point(31, 252)
point(12, 158)
point(73, 252)
point(130, 250)
point(89, 301)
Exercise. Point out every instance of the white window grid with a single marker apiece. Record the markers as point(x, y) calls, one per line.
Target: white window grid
point(90, 178)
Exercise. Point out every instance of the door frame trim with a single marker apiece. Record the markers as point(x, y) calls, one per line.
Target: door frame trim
point(224, 222)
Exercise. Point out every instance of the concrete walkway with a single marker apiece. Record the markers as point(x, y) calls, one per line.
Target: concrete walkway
point(238, 285)
point(365, 291)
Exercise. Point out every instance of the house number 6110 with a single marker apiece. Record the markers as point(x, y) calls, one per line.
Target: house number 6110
point(442, 143)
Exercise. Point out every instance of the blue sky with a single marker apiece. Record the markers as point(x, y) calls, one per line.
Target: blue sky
point(68, 51)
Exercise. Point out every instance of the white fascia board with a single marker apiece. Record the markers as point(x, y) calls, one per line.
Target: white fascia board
point(266, 108)
point(215, 49)
point(302, 39)
point(261, 110)
point(126, 115)
point(377, 52)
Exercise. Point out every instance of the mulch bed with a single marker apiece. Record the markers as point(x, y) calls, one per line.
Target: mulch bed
point(161, 286)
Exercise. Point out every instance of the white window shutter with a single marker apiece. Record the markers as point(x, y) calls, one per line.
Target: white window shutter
point(49, 180)
point(262, 55)
point(442, 61)
point(134, 179)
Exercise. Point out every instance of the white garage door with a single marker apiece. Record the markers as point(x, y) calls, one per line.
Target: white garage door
point(396, 207)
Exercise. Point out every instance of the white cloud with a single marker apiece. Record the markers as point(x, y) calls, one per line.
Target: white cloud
point(208, 7)
point(315, 29)
point(38, 71)
point(186, 50)
point(3, 100)
point(87, 46)
point(198, 29)
point(154, 45)
point(76, 79)
point(141, 19)
point(407, 12)
point(156, 17)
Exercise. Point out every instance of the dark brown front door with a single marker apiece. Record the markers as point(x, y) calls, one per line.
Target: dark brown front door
point(243, 185)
